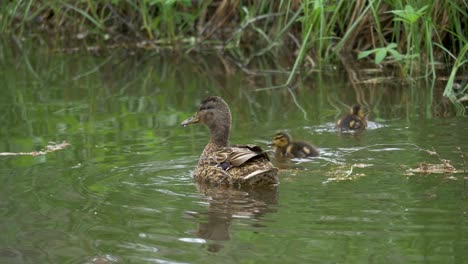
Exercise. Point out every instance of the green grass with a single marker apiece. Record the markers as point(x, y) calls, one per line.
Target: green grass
point(414, 35)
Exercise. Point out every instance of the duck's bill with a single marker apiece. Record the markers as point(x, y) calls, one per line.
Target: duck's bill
point(191, 120)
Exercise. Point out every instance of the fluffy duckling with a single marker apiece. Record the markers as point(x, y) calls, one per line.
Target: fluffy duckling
point(355, 120)
point(224, 164)
point(285, 147)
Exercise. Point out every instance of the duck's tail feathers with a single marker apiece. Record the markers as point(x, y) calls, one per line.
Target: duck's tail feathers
point(267, 176)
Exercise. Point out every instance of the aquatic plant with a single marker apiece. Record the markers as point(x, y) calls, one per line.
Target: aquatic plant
point(382, 53)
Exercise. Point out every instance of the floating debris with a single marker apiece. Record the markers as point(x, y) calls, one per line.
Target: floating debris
point(444, 167)
point(52, 147)
point(347, 175)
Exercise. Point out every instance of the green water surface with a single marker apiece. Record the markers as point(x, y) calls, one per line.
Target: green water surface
point(122, 191)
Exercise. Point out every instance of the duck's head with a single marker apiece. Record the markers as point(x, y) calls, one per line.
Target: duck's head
point(281, 140)
point(215, 114)
point(213, 111)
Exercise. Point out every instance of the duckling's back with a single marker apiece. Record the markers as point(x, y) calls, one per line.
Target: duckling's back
point(301, 149)
point(355, 120)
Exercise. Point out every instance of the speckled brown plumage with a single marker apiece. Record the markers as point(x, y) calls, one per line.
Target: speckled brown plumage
point(286, 148)
point(355, 120)
point(223, 164)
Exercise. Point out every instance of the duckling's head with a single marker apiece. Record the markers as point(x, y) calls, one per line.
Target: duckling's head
point(281, 140)
point(357, 110)
point(215, 114)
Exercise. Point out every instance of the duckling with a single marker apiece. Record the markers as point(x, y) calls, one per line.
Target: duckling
point(285, 147)
point(224, 164)
point(355, 120)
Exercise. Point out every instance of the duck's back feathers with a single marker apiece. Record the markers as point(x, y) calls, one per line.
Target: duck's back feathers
point(243, 152)
point(235, 155)
point(237, 165)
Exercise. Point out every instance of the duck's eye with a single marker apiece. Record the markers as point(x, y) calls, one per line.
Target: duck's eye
point(206, 107)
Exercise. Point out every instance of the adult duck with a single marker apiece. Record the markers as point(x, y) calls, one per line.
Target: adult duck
point(224, 164)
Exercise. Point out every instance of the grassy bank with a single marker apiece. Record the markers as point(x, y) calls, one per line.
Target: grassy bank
point(418, 37)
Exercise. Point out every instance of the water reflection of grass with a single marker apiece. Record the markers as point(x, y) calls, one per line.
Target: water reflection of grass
point(55, 94)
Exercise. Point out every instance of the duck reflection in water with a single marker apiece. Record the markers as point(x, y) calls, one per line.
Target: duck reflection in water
point(227, 204)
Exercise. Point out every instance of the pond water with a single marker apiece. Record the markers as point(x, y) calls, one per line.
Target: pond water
point(122, 191)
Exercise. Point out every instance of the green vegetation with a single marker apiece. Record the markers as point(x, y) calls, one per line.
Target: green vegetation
point(416, 36)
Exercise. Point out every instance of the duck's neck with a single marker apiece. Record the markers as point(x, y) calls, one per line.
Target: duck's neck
point(219, 138)
point(219, 135)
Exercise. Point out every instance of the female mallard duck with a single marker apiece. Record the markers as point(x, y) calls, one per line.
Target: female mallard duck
point(355, 120)
point(285, 147)
point(221, 164)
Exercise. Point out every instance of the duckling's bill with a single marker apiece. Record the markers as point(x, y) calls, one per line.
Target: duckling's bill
point(191, 120)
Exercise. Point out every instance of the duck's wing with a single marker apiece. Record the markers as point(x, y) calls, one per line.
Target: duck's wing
point(236, 155)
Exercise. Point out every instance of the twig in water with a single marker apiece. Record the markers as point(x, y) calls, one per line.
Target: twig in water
point(270, 88)
point(395, 144)
point(95, 69)
point(464, 168)
point(350, 171)
point(297, 104)
point(49, 148)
